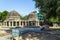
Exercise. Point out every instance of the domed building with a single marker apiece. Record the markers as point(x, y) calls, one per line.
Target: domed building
point(13, 15)
point(32, 16)
point(33, 19)
point(13, 20)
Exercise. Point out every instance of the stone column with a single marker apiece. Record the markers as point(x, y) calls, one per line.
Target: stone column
point(9, 23)
point(3, 24)
point(32, 23)
point(12, 23)
point(38, 23)
point(16, 23)
point(19, 23)
point(6, 23)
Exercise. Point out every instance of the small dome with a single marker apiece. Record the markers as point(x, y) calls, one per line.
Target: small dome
point(13, 13)
point(32, 16)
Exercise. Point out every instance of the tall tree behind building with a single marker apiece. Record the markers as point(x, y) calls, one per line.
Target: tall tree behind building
point(50, 7)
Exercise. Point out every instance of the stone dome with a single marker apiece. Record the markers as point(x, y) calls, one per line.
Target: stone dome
point(32, 16)
point(13, 13)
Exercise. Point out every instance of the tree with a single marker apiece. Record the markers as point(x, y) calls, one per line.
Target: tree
point(24, 17)
point(50, 7)
point(0, 16)
point(3, 15)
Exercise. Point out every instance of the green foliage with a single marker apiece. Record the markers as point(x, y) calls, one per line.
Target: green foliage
point(50, 7)
point(3, 15)
point(0, 16)
point(52, 19)
point(24, 18)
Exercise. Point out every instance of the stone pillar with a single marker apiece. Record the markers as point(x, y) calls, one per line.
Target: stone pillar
point(38, 23)
point(6, 23)
point(12, 23)
point(9, 23)
point(16, 24)
point(19, 23)
point(32, 23)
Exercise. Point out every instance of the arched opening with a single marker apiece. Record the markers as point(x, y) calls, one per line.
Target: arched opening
point(14, 23)
point(17, 23)
point(10, 23)
point(7, 23)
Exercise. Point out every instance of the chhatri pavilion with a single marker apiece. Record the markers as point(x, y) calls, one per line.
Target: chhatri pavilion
point(13, 20)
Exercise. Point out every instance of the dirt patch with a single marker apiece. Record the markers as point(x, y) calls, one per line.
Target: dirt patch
point(3, 33)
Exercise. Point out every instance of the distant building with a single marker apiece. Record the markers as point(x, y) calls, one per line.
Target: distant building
point(13, 20)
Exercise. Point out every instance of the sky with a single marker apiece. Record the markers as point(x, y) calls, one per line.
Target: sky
point(23, 7)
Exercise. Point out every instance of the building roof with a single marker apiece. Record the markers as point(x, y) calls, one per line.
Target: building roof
point(32, 15)
point(13, 13)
